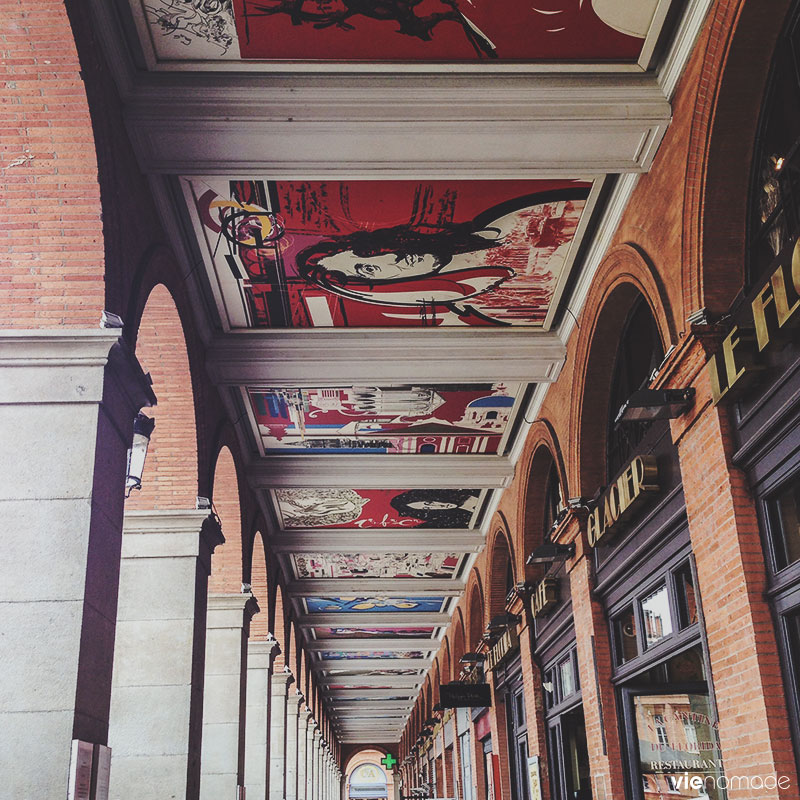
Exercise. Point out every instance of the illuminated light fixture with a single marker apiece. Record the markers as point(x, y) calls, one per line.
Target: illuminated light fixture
point(647, 405)
point(548, 686)
point(142, 430)
point(550, 551)
point(472, 658)
point(503, 621)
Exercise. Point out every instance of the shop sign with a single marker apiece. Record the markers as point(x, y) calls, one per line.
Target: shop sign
point(636, 481)
point(465, 695)
point(534, 778)
point(775, 309)
point(544, 597)
point(505, 645)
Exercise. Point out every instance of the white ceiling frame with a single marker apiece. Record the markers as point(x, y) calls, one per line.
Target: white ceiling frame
point(400, 643)
point(362, 680)
point(367, 664)
point(354, 694)
point(375, 587)
point(422, 540)
point(310, 356)
point(375, 619)
point(383, 471)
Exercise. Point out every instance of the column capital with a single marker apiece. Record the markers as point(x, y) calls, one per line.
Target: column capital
point(281, 681)
point(171, 533)
point(225, 610)
point(261, 653)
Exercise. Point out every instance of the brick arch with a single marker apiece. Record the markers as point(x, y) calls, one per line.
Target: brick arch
point(457, 626)
point(171, 469)
point(500, 551)
point(290, 646)
point(624, 276)
point(476, 610)
point(260, 627)
point(541, 451)
point(436, 681)
point(737, 46)
point(445, 664)
point(227, 567)
point(41, 157)
point(278, 626)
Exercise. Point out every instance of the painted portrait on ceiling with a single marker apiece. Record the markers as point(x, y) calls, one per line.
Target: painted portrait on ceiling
point(378, 508)
point(388, 253)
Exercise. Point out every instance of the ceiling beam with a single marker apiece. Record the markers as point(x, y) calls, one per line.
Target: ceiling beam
point(370, 694)
point(373, 619)
point(411, 540)
point(366, 664)
point(382, 472)
point(406, 681)
point(375, 587)
point(373, 643)
point(453, 355)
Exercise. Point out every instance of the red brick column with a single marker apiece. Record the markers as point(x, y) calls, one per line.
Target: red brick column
point(499, 726)
point(745, 669)
point(455, 778)
point(594, 666)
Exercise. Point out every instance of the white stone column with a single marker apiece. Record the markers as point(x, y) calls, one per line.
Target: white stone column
point(303, 724)
point(310, 733)
point(293, 711)
point(222, 766)
point(277, 735)
point(157, 694)
point(260, 655)
point(316, 774)
point(68, 398)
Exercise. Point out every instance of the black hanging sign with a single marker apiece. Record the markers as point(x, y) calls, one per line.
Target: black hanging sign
point(465, 695)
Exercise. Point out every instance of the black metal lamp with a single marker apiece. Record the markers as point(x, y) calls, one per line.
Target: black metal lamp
point(503, 621)
point(142, 430)
point(646, 405)
point(472, 658)
point(551, 551)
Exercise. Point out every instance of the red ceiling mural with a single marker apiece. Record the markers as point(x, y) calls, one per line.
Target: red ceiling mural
point(386, 253)
point(439, 30)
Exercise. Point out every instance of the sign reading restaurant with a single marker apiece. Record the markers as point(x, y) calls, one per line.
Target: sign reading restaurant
point(775, 309)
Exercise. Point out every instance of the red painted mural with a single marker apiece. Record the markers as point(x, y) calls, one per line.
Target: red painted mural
point(442, 30)
point(387, 253)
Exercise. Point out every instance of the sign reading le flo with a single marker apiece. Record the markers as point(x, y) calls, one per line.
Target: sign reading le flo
point(637, 480)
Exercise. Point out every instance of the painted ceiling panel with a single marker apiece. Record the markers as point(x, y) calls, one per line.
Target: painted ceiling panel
point(357, 605)
point(454, 419)
point(338, 655)
point(377, 508)
point(396, 30)
point(377, 672)
point(366, 633)
point(376, 565)
point(298, 254)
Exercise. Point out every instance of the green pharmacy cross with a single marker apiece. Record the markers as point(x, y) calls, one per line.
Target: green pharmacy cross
point(388, 761)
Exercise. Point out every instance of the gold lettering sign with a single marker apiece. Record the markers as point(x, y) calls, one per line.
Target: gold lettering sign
point(775, 310)
point(617, 503)
point(545, 597)
point(505, 644)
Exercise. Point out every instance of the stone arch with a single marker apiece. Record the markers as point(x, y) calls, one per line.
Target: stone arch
point(500, 555)
point(596, 353)
point(227, 568)
point(171, 468)
point(738, 45)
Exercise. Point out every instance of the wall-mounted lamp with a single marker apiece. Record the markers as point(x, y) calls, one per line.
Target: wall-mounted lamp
point(472, 658)
point(551, 551)
point(647, 405)
point(438, 709)
point(142, 430)
point(503, 621)
point(547, 686)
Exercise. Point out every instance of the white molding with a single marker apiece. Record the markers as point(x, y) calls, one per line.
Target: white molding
point(410, 681)
point(683, 42)
point(381, 471)
point(375, 587)
point(367, 664)
point(345, 540)
point(308, 356)
point(398, 643)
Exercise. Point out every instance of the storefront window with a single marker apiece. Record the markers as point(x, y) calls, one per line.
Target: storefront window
point(784, 524)
point(656, 616)
point(625, 636)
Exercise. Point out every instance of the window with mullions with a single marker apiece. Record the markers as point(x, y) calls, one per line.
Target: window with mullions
point(783, 517)
point(640, 352)
point(664, 609)
point(775, 181)
point(553, 500)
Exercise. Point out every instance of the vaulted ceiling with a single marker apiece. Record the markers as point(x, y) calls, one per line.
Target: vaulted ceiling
point(390, 211)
